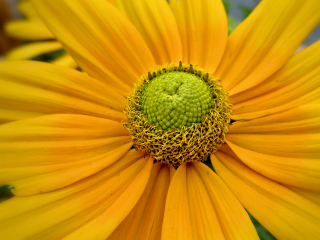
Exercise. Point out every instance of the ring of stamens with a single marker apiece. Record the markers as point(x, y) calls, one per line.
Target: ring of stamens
point(189, 141)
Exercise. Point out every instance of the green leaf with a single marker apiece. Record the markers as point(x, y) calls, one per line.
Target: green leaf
point(5, 192)
point(263, 233)
point(232, 24)
point(49, 57)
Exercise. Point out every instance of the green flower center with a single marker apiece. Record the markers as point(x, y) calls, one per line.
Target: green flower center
point(178, 114)
point(176, 99)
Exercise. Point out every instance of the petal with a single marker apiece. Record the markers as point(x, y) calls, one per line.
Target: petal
point(294, 85)
point(283, 212)
point(265, 41)
point(145, 220)
point(301, 119)
point(299, 172)
point(101, 39)
point(200, 206)
point(9, 115)
point(28, 30)
point(26, 8)
point(177, 220)
point(158, 27)
point(31, 50)
point(93, 207)
point(50, 152)
point(233, 218)
point(65, 60)
point(203, 29)
point(313, 196)
point(53, 89)
point(281, 146)
point(112, 217)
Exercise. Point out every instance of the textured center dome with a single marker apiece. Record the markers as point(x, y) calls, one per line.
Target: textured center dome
point(178, 113)
point(176, 99)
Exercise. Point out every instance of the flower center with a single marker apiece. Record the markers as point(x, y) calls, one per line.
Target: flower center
point(176, 99)
point(178, 114)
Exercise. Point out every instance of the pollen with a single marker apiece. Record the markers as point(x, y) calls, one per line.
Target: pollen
point(178, 113)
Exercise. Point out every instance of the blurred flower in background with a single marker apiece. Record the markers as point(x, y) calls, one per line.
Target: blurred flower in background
point(39, 43)
point(6, 14)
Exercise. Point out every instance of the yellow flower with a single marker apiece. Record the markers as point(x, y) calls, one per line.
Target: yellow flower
point(39, 38)
point(68, 157)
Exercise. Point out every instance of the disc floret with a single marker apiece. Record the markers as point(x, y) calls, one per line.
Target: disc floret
point(175, 99)
point(178, 113)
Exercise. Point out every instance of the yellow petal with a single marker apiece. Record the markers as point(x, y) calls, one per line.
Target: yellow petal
point(265, 41)
point(203, 29)
point(283, 212)
point(313, 196)
point(157, 26)
point(107, 222)
point(66, 60)
point(200, 206)
point(49, 152)
point(282, 146)
point(145, 220)
point(285, 145)
point(45, 179)
point(172, 172)
point(100, 38)
point(53, 89)
point(302, 119)
point(294, 85)
point(9, 115)
point(32, 50)
point(26, 8)
point(177, 222)
point(28, 30)
point(299, 172)
point(233, 219)
point(301, 68)
point(97, 204)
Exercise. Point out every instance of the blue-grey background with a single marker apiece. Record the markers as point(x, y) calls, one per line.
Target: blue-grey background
point(237, 11)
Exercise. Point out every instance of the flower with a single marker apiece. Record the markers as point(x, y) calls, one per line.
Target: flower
point(66, 154)
point(39, 38)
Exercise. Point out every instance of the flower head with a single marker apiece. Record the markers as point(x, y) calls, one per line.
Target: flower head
point(65, 145)
point(178, 114)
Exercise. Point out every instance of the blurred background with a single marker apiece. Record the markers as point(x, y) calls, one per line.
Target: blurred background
point(8, 11)
point(240, 9)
